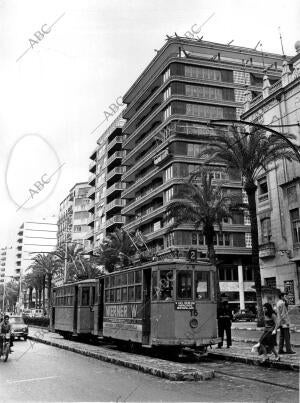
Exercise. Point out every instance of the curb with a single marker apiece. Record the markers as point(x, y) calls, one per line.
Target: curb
point(255, 341)
point(256, 361)
point(261, 329)
point(162, 369)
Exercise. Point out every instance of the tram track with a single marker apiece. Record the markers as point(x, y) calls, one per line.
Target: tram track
point(209, 362)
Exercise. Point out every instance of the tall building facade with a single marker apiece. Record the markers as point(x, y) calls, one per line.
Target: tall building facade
point(7, 262)
point(34, 237)
point(74, 216)
point(186, 85)
point(106, 187)
point(278, 194)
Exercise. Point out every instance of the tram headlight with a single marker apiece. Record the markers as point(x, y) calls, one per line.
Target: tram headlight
point(193, 323)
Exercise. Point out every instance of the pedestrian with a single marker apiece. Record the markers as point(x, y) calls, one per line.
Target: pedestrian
point(267, 341)
point(284, 325)
point(224, 316)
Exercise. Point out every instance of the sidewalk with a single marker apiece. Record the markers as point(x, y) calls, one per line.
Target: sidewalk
point(240, 352)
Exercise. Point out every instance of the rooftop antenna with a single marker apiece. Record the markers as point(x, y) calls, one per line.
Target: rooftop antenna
point(229, 43)
point(262, 55)
point(281, 42)
point(257, 45)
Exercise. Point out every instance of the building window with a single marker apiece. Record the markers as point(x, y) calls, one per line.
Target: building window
point(248, 273)
point(266, 233)
point(247, 219)
point(262, 189)
point(203, 92)
point(295, 225)
point(248, 240)
point(228, 273)
point(167, 112)
point(166, 75)
point(169, 173)
point(292, 194)
point(202, 73)
point(170, 239)
point(167, 93)
point(270, 282)
point(169, 195)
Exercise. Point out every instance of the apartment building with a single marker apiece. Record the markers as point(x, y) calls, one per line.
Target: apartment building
point(34, 237)
point(278, 195)
point(187, 84)
point(74, 216)
point(106, 186)
point(7, 262)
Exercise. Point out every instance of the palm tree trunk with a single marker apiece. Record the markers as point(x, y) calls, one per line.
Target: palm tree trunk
point(251, 190)
point(44, 289)
point(49, 279)
point(213, 260)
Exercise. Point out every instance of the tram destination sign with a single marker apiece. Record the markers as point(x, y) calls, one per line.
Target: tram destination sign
point(184, 305)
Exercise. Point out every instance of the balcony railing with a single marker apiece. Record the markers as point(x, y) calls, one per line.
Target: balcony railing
point(115, 171)
point(117, 154)
point(267, 250)
point(92, 166)
point(115, 203)
point(115, 187)
point(116, 140)
point(117, 219)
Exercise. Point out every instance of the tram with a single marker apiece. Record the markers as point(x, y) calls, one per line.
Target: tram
point(170, 303)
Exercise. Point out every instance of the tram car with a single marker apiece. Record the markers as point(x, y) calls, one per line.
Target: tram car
point(169, 303)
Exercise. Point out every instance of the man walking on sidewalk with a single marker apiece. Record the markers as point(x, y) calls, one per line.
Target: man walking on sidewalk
point(224, 316)
point(284, 325)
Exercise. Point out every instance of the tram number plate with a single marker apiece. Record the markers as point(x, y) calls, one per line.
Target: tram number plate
point(184, 305)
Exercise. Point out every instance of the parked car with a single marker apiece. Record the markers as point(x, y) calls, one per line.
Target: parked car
point(19, 329)
point(243, 315)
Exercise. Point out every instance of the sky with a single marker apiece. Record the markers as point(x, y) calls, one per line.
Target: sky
point(64, 62)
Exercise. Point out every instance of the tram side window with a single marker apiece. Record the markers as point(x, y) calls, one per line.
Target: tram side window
point(124, 294)
point(118, 295)
point(106, 295)
point(85, 296)
point(130, 294)
point(138, 292)
point(155, 289)
point(202, 285)
point(184, 285)
point(166, 285)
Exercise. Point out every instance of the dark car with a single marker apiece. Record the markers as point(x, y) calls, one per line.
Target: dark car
point(19, 328)
point(246, 316)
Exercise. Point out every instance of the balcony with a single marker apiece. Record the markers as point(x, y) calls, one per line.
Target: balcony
point(90, 234)
point(116, 187)
point(117, 219)
point(92, 180)
point(162, 156)
point(91, 193)
point(115, 203)
point(267, 250)
point(115, 171)
point(117, 154)
point(92, 167)
point(116, 140)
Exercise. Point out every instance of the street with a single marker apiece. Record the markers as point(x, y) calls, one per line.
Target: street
point(37, 372)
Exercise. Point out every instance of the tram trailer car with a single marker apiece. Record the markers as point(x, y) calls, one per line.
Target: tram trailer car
point(73, 308)
point(171, 303)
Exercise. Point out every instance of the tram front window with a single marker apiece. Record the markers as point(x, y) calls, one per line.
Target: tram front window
point(184, 285)
point(202, 285)
point(166, 285)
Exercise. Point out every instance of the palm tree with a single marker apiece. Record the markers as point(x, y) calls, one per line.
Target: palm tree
point(49, 266)
point(250, 153)
point(205, 204)
point(117, 250)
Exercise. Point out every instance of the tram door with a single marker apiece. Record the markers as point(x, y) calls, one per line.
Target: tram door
point(146, 305)
point(75, 312)
point(101, 305)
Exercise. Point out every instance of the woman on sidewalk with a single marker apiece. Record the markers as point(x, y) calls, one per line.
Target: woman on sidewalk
point(267, 341)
